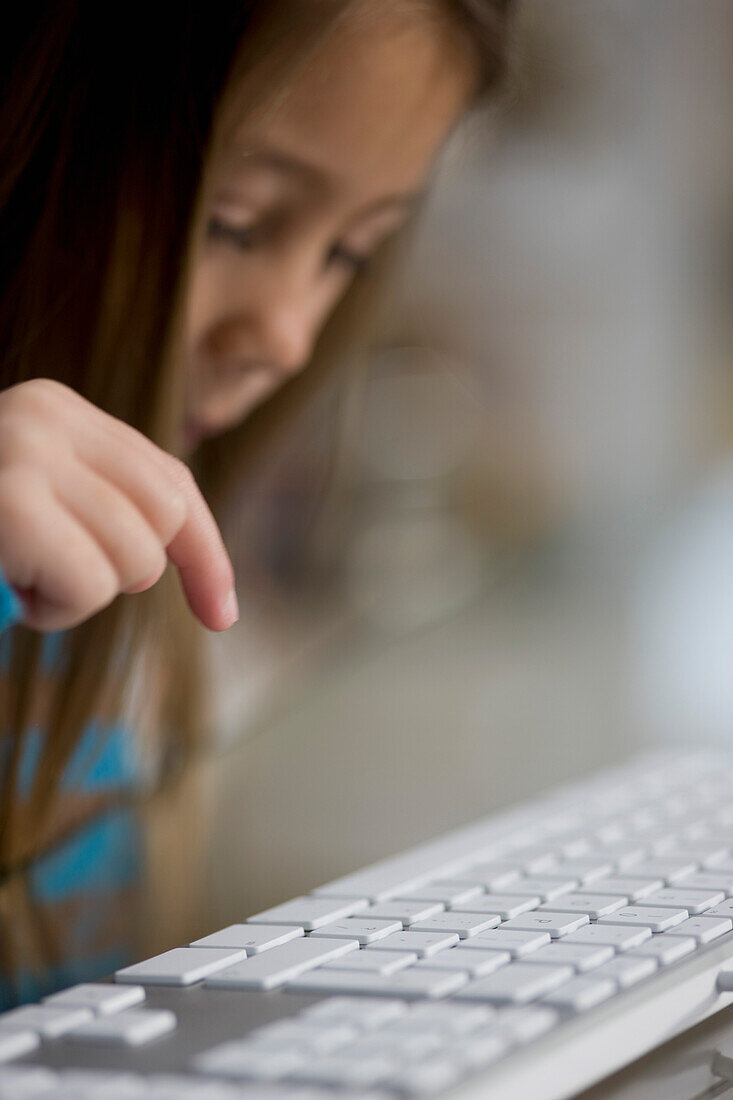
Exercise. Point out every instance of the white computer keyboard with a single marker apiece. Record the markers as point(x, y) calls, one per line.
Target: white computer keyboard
point(528, 955)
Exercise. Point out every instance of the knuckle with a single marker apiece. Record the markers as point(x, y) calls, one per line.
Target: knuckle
point(31, 420)
point(101, 584)
point(136, 552)
point(92, 582)
point(18, 493)
point(174, 507)
point(48, 387)
point(24, 436)
point(181, 472)
point(36, 393)
point(174, 514)
point(151, 564)
point(52, 394)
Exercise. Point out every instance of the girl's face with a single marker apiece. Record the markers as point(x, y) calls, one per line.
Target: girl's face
point(304, 200)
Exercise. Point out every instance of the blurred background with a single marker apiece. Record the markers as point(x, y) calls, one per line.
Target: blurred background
point(525, 570)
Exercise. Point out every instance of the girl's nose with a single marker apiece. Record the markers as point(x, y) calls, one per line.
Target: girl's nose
point(276, 322)
point(284, 332)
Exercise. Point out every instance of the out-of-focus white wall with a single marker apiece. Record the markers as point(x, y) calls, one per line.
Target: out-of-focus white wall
point(573, 258)
point(533, 577)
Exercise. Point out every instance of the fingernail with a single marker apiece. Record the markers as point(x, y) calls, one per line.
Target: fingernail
point(230, 609)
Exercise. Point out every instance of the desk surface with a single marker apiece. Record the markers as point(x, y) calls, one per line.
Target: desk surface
point(697, 1065)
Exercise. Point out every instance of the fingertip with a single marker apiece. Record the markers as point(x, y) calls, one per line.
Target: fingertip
point(211, 610)
point(229, 610)
point(222, 616)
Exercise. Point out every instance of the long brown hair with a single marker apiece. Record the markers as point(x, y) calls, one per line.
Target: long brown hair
point(106, 131)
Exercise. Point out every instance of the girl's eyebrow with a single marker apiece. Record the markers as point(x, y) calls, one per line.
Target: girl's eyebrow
point(312, 175)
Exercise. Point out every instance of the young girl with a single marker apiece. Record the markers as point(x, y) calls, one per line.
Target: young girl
point(183, 204)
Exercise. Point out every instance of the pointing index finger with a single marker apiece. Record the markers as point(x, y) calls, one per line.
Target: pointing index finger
point(199, 554)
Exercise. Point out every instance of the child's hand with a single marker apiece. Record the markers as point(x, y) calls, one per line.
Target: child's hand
point(89, 508)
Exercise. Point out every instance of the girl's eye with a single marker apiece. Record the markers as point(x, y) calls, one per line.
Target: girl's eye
point(245, 237)
point(242, 236)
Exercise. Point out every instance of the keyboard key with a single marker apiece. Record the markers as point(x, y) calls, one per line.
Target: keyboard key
point(544, 888)
point(517, 983)
point(26, 1082)
point(376, 961)
point(695, 901)
point(535, 859)
point(725, 867)
point(464, 924)
point(491, 876)
point(479, 1051)
point(48, 1022)
point(365, 1013)
point(405, 911)
point(101, 998)
point(252, 937)
point(704, 929)
point(447, 1017)
point(422, 943)
point(310, 912)
point(623, 853)
point(342, 1072)
point(447, 892)
point(523, 1025)
point(409, 984)
point(620, 937)
point(631, 888)
point(359, 928)
point(593, 905)
point(722, 909)
point(584, 870)
point(706, 853)
point(241, 1059)
point(14, 1043)
point(433, 1075)
point(660, 839)
point(181, 966)
point(391, 878)
point(670, 869)
point(581, 957)
point(577, 846)
point(581, 993)
point(627, 970)
point(404, 1047)
point(476, 963)
point(132, 1027)
point(315, 1036)
point(556, 924)
point(72, 1092)
point(504, 906)
point(714, 879)
point(516, 943)
point(666, 949)
point(174, 1086)
point(280, 964)
point(100, 1084)
point(659, 920)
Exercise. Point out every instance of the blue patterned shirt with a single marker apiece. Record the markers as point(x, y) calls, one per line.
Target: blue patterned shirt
point(72, 914)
